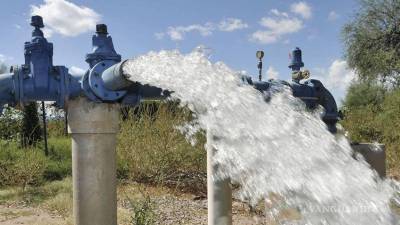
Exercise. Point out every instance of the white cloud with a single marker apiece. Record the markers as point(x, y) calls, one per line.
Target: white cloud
point(4, 58)
point(178, 33)
point(66, 18)
point(47, 32)
point(302, 9)
point(337, 78)
point(17, 26)
point(282, 26)
point(73, 70)
point(159, 35)
point(333, 16)
point(272, 73)
point(276, 27)
point(278, 13)
point(232, 24)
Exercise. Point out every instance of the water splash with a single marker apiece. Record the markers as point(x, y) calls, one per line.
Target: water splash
point(273, 147)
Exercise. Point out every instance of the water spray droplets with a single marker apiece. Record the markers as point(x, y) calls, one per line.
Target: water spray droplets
point(270, 147)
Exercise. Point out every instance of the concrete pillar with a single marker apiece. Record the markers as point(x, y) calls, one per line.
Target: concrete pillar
point(374, 154)
point(93, 128)
point(219, 193)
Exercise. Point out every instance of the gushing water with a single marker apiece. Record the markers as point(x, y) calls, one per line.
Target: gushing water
point(275, 147)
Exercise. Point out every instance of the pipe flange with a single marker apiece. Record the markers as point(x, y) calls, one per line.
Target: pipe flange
point(87, 90)
point(96, 83)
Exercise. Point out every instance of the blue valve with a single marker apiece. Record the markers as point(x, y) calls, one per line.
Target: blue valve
point(312, 92)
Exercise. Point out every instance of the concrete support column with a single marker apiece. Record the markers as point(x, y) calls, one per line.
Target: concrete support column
point(219, 193)
point(93, 127)
point(374, 154)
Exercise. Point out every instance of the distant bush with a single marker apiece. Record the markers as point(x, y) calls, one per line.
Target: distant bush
point(30, 166)
point(372, 115)
point(152, 150)
point(21, 167)
point(389, 124)
point(10, 124)
point(31, 131)
point(29, 169)
point(56, 127)
point(59, 163)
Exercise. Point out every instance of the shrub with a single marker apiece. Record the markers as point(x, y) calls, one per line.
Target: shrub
point(56, 127)
point(143, 212)
point(60, 203)
point(151, 149)
point(59, 164)
point(10, 124)
point(371, 115)
point(21, 167)
point(30, 129)
point(389, 124)
point(30, 166)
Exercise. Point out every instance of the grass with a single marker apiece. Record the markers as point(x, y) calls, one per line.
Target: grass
point(59, 163)
point(54, 197)
point(60, 204)
point(19, 166)
point(37, 195)
point(135, 205)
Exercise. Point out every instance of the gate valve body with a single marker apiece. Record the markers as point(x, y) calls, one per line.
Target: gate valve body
point(312, 92)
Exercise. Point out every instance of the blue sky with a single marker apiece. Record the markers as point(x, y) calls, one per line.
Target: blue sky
point(233, 29)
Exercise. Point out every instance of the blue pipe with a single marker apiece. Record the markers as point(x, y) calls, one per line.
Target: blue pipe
point(39, 80)
point(312, 92)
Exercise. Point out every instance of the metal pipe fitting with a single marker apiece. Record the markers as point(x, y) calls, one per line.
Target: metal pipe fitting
point(114, 77)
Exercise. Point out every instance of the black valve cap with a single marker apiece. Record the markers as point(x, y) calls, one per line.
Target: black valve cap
point(37, 21)
point(101, 29)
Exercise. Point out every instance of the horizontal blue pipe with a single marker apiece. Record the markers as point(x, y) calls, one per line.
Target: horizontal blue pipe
point(115, 79)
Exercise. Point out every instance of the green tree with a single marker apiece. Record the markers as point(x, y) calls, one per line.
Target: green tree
point(372, 41)
point(389, 124)
point(10, 124)
point(362, 105)
point(10, 119)
point(363, 93)
point(31, 132)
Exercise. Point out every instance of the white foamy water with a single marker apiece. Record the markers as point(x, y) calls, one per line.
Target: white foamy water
point(273, 147)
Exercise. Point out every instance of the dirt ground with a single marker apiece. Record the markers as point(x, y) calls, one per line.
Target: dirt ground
point(170, 208)
point(14, 214)
point(170, 211)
